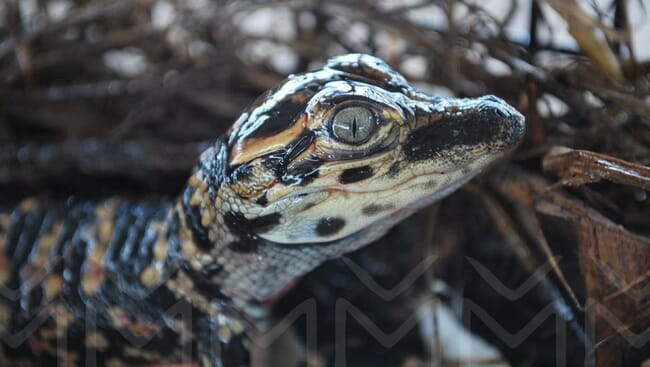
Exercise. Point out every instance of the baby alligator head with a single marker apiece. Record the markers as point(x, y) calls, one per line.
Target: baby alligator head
point(329, 160)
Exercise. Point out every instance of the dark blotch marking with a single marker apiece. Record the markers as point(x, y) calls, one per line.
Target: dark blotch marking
point(278, 161)
point(298, 146)
point(374, 209)
point(214, 167)
point(173, 236)
point(303, 173)
point(234, 352)
point(247, 229)
point(313, 87)
point(238, 224)
point(280, 117)
point(262, 200)
point(328, 226)
point(356, 174)
point(394, 169)
point(211, 270)
point(469, 128)
point(274, 162)
point(242, 172)
point(202, 282)
point(243, 246)
point(193, 220)
point(265, 223)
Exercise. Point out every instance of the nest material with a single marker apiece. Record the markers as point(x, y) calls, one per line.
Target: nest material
point(120, 97)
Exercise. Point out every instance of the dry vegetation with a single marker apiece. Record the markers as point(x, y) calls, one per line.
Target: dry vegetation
point(119, 97)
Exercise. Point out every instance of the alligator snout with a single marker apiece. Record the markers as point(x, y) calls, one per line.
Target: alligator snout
point(462, 124)
point(509, 123)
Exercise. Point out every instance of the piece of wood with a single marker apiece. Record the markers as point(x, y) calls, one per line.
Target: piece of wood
point(577, 167)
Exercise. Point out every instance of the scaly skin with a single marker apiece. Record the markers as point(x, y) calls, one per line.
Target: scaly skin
point(321, 165)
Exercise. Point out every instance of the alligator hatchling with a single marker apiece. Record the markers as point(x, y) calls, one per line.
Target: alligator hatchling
point(319, 166)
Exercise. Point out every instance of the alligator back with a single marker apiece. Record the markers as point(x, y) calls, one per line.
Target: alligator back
point(70, 284)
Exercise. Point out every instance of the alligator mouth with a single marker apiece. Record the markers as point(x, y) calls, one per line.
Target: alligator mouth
point(409, 183)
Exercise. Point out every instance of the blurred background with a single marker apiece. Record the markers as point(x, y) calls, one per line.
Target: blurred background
point(105, 98)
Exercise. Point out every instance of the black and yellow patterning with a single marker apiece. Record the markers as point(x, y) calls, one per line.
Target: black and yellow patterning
point(321, 165)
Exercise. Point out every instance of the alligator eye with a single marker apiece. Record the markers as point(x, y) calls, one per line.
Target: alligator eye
point(353, 125)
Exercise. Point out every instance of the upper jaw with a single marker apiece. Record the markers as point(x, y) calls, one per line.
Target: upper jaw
point(447, 126)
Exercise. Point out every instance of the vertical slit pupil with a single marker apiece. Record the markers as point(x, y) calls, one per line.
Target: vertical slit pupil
point(353, 125)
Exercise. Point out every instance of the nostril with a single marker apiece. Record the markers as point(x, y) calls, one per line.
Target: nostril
point(495, 106)
point(501, 113)
point(518, 123)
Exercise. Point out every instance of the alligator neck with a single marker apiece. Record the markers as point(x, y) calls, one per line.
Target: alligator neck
point(212, 256)
point(206, 254)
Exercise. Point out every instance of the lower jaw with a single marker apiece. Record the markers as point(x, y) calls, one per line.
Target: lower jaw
point(429, 198)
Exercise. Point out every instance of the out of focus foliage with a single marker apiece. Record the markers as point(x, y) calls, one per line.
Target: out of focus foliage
point(119, 97)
